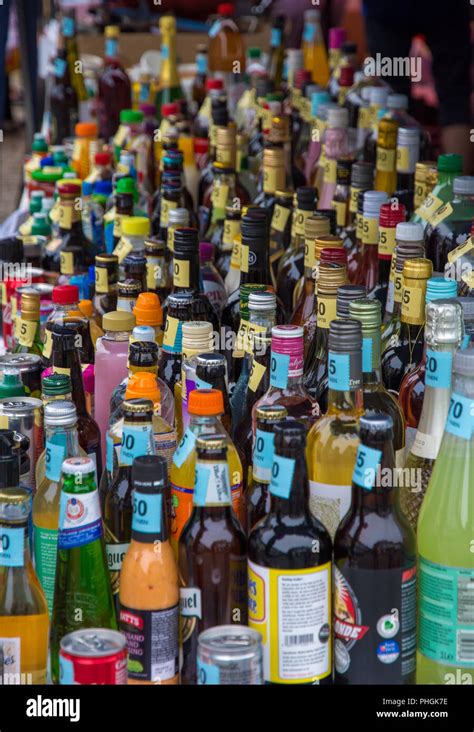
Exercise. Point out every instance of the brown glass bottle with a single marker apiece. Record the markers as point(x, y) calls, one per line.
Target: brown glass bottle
point(179, 312)
point(65, 358)
point(62, 100)
point(106, 278)
point(135, 268)
point(211, 370)
point(71, 251)
point(213, 544)
point(158, 268)
point(123, 207)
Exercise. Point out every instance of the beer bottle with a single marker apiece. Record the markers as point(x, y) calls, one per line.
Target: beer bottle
point(290, 555)
point(212, 545)
point(375, 569)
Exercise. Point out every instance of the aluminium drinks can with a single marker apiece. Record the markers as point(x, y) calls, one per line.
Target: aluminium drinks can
point(93, 656)
point(30, 367)
point(25, 415)
point(230, 654)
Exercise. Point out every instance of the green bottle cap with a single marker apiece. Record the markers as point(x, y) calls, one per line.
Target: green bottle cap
point(11, 384)
point(39, 144)
point(126, 185)
point(131, 116)
point(450, 163)
point(56, 385)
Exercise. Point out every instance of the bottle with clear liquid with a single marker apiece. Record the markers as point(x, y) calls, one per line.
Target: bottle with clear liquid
point(24, 619)
point(445, 621)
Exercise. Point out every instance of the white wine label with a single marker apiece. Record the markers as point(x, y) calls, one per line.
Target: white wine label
point(329, 503)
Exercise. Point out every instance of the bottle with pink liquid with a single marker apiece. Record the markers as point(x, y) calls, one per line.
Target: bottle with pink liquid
point(110, 364)
point(286, 377)
point(335, 146)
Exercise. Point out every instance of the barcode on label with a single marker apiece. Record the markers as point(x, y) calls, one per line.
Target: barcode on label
point(465, 601)
point(299, 640)
point(465, 645)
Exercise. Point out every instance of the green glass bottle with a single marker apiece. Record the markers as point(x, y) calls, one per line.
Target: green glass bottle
point(82, 593)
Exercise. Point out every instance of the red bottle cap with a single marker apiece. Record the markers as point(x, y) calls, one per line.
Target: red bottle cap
point(346, 76)
point(169, 109)
point(201, 145)
point(214, 84)
point(68, 188)
point(302, 77)
point(226, 9)
point(337, 36)
point(390, 216)
point(333, 254)
point(66, 294)
point(102, 158)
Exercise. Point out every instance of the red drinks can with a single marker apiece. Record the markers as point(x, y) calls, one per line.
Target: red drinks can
point(93, 656)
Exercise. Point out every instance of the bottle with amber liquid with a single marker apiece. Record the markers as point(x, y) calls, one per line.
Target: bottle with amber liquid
point(406, 350)
point(158, 268)
point(106, 279)
point(114, 88)
point(28, 326)
point(62, 100)
point(186, 275)
point(71, 252)
point(213, 544)
point(362, 179)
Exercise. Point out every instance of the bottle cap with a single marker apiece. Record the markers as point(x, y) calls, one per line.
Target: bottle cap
point(86, 308)
point(372, 203)
point(131, 116)
point(144, 333)
point(102, 158)
point(186, 241)
point(391, 215)
point(438, 288)
point(169, 109)
point(197, 334)
point(214, 84)
point(444, 322)
point(212, 365)
point(205, 402)
point(346, 75)
point(345, 335)
point(367, 311)
point(118, 321)
point(136, 406)
point(337, 37)
point(334, 255)
point(226, 9)
point(306, 196)
point(343, 171)
point(407, 231)
point(149, 472)
point(60, 413)
point(211, 445)
point(346, 294)
point(56, 384)
point(406, 250)
point(86, 129)
point(398, 101)
point(101, 188)
point(464, 185)
point(330, 277)
point(378, 95)
point(69, 188)
point(143, 353)
point(261, 301)
point(178, 217)
point(11, 377)
point(338, 117)
point(128, 288)
point(315, 226)
point(126, 185)
point(78, 466)
point(143, 386)
point(271, 412)
point(362, 176)
point(375, 426)
point(15, 502)
point(65, 294)
point(450, 163)
point(135, 226)
point(417, 269)
point(147, 310)
point(464, 362)
point(408, 135)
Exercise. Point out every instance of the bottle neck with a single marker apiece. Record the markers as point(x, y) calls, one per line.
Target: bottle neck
point(290, 490)
point(254, 262)
point(169, 69)
point(371, 357)
point(345, 393)
point(68, 362)
point(149, 519)
point(186, 273)
point(381, 495)
point(65, 436)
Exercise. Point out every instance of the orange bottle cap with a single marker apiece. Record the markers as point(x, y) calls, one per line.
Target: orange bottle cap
point(86, 308)
point(205, 402)
point(147, 310)
point(86, 129)
point(143, 386)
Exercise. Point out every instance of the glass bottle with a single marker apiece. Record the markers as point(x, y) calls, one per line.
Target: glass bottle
point(443, 336)
point(24, 616)
point(376, 396)
point(362, 178)
point(68, 32)
point(335, 142)
point(177, 218)
point(449, 166)
point(375, 570)
point(314, 49)
point(368, 267)
point(198, 338)
point(137, 439)
point(179, 312)
point(63, 103)
point(406, 348)
point(212, 544)
point(340, 199)
point(61, 441)
point(114, 88)
point(225, 241)
point(444, 542)
point(158, 265)
point(286, 377)
point(71, 252)
point(290, 555)
point(277, 51)
point(333, 441)
point(212, 282)
point(82, 593)
point(28, 326)
point(391, 214)
point(316, 234)
point(408, 154)
point(169, 87)
point(149, 590)
point(280, 230)
point(211, 373)
point(106, 279)
point(386, 156)
point(198, 91)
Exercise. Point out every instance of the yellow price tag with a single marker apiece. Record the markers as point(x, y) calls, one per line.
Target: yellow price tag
point(181, 272)
point(120, 136)
point(219, 196)
point(354, 193)
point(364, 118)
point(123, 248)
point(65, 216)
point(61, 370)
point(326, 311)
point(370, 231)
point(280, 218)
point(231, 230)
point(54, 211)
point(235, 257)
point(403, 159)
point(25, 228)
point(441, 214)
point(300, 220)
point(461, 250)
point(397, 284)
point(3, 422)
point(48, 343)
point(3, 293)
point(429, 207)
point(166, 207)
point(26, 332)
point(385, 160)
point(244, 258)
point(66, 263)
point(413, 305)
point(171, 329)
point(101, 280)
point(387, 241)
point(340, 208)
point(256, 375)
point(330, 171)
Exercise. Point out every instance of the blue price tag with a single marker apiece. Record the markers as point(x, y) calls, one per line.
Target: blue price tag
point(165, 51)
point(184, 448)
point(12, 547)
point(55, 453)
point(201, 384)
point(263, 450)
point(275, 37)
point(465, 341)
point(460, 420)
point(366, 465)
point(68, 27)
point(438, 369)
point(109, 453)
point(201, 62)
point(203, 475)
point(60, 65)
point(309, 33)
point(147, 512)
point(111, 46)
point(367, 355)
point(66, 671)
point(208, 674)
point(280, 364)
point(109, 237)
point(338, 371)
point(135, 442)
point(282, 476)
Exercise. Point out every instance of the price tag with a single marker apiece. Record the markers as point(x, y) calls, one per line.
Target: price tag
point(48, 343)
point(135, 442)
point(387, 242)
point(460, 420)
point(280, 218)
point(468, 279)
point(273, 179)
point(263, 452)
point(420, 194)
point(441, 214)
point(3, 293)
point(338, 371)
point(353, 195)
point(309, 253)
point(172, 328)
point(26, 332)
point(326, 311)
point(166, 207)
point(184, 448)
point(181, 272)
point(397, 283)
point(300, 219)
point(413, 305)
point(367, 345)
point(120, 136)
point(231, 230)
point(340, 208)
point(364, 118)
point(461, 250)
point(147, 509)
point(359, 226)
point(438, 369)
point(65, 216)
point(54, 211)
point(25, 228)
point(403, 160)
point(101, 280)
point(235, 257)
point(256, 375)
point(330, 171)
point(123, 248)
point(109, 453)
point(219, 196)
point(283, 469)
point(207, 674)
point(66, 263)
point(279, 366)
point(244, 258)
point(366, 465)
point(54, 455)
point(370, 231)
point(385, 160)
point(12, 546)
point(429, 207)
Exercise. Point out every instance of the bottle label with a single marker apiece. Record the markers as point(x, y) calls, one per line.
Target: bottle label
point(326, 311)
point(345, 371)
point(12, 546)
point(54, 455)
point(329, 503)
point(48, 343)
point(387, 242)
point(123, 248)
point(244, 257)
point(283, 469)
point(441, 214)
point(263, 455)
point(212, 486)
point(190, 605)
point(296, 644)
point(115, 555)
point(273, 179)
point(438, 369)
point(366, 467)
point(404, 164)
point(65, 216)
point(374, 624)
point(45, 546)
point(461, 250)
point(66, 263)
point(385, 160)
point(340, 208)
point(101, 280)
point(280, 218)
point(446, 621)
point(181, 276)
point(11, 665)
point(80, 520)
point(426, 445)
point(184, 448)
point(111, 47)
point(300, 219)
point(147, 509)
point(429, 207)
point(353, 194)
point(370, 230)
point(136, 441)
point(152, 642)
point(460, 420)
point(413, 305)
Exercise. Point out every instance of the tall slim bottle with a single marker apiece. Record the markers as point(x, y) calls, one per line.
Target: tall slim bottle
point(169, 87)
point(114, 88)
point(445, 564)
point(290, 555)
point(82, 593)
point(333, 440)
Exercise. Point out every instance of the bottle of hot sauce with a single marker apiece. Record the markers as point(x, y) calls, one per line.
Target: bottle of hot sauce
point(149, 594)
